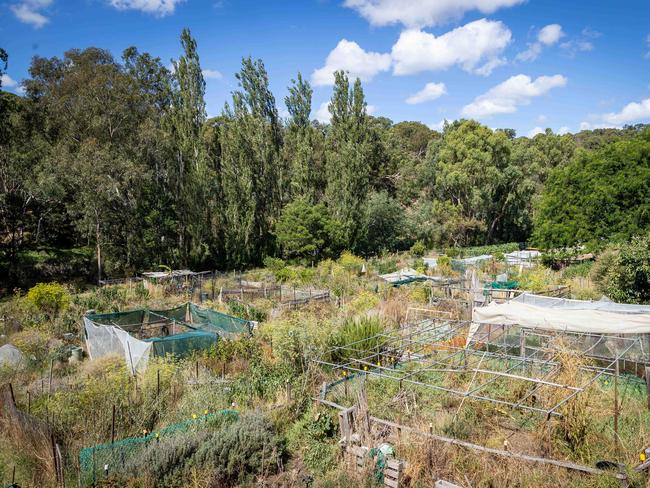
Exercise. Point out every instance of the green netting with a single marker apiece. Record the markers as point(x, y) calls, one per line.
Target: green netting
point(177, 314)
point(183, 345)
point(218, 322)
point(95, 461)
point(124, 320)
point(504, 285)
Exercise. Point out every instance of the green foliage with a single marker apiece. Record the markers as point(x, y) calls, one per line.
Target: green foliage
point(624, 275)
point(245, 311)
point(314, 436)
point(350, 262)
point(491, 249)
point(418, 249)
point(598, 197)
point(574, 270)
point(241, 450)
point(361, 336)
point(49, 298)
point(384, 225)
point(307, 231)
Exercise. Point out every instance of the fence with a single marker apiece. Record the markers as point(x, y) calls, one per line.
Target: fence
point(103, 460)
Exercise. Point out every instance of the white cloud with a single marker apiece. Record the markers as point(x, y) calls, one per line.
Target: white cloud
point(550, 34)
point(30, 12)
point(212, 74)
point(541, 118)
point(156, 7)
point(630, 113)
point(430, 92)
point(421, 13)
point(8, 81)
point(547, 36)
point(349, 56)
point(563, 130)
point(371, 109)
point(534, 131)
point(580, 43)
point(507, 96)
point(439, 126)
point(323, 114)
point(466, 46)
point(592, 126)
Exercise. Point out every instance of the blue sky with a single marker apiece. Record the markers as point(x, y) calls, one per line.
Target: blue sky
point(520, 64)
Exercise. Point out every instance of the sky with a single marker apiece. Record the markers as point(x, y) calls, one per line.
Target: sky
point(521, 64)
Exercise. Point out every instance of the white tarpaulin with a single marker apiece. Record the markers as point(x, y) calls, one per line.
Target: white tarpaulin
point(564, 315)
point(569, 304)
point(105, 340)
point(524, 258)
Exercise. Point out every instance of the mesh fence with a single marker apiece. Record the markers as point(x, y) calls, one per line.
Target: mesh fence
point(184, 344)
point(218, 322)
point(98, 461)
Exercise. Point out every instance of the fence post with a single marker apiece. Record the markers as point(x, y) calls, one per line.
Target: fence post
point(647, 383)
point(113, 426)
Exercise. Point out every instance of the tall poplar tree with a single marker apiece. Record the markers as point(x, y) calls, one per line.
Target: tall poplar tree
point(303, 144)
point(252, 171)
point(348, 157)
point(190, 174)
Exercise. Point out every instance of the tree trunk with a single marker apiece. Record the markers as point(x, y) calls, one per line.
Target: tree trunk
point(99, 250)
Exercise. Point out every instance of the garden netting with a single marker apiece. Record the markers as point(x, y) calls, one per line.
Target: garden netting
point(136, 335)
point(98, 461)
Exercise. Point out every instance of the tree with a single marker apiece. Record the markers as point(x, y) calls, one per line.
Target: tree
point(348, 157)
point(192, 179)
point(307, 231)
point(624, 273)
point(253, 176)
point(598, 197)
point(303, 144)
point(472, 171)
point(384, 226)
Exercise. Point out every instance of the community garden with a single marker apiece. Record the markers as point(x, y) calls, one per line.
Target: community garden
point(285, 391)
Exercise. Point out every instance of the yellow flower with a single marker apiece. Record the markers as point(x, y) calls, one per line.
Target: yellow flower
point(193, 415)
point(157, 435)
point(642, 456)
point(365, 368)
point(205, 412)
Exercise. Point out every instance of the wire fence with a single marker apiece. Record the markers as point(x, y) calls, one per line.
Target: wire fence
point(102, 460)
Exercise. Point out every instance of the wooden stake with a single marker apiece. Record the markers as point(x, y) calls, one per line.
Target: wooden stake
point(49, 390)
point(158, 383)
point(616, 410)
point(647, 383)
point(113, 426)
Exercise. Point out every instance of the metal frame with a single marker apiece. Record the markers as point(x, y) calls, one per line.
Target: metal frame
point(427, 353)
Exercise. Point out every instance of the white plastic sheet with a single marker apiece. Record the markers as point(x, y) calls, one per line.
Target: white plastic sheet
point(565, 315)
point(106, 340)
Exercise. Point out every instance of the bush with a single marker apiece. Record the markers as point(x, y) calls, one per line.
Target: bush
point(624, 276)
point(240, 450)
point(350, 262)
point(418, 249)
point(49, 298)
point(362, 333)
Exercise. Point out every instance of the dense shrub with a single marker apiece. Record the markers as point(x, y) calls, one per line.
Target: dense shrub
point(49, 298)
point(362, 334)
point(240, 450)
point(418, 249)
point(624, 275)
